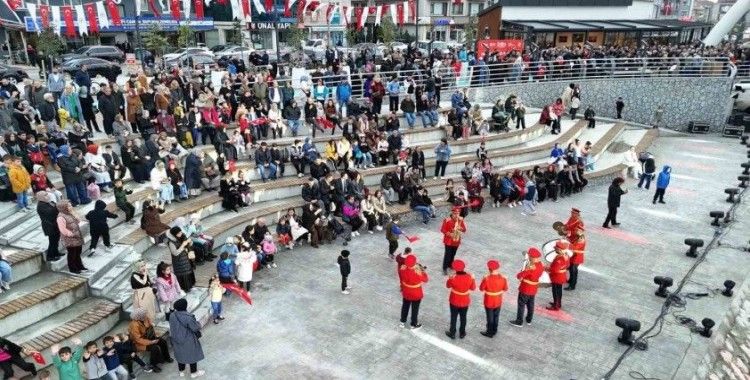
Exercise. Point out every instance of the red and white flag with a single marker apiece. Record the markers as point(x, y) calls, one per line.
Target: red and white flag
point(90, 10)
point(70, 26)
point(155, 9)
point(44, 15)
point(198, 4)
point(347, 13)
point(81, 20)
point(174, 8)
point(360, 16)
point(330, 12)
point(412, 9)
point(114, 13)
point(259, 6)
point(400, 13)
point(269, 6)
point(14, 4)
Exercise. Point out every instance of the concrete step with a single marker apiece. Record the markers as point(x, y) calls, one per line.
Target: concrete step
point(7, 209)
point(198, 304)
point(24, 263)
point(119, 272)
point(14, 219)
point(99, 263)
point(21, 229)
point(89, 319)
point(34, 298)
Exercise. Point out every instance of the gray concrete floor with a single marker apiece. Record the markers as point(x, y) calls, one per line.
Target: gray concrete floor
point(302, 326)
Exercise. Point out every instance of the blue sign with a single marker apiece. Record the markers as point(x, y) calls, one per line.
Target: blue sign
point(165, 24)
point(442, 21)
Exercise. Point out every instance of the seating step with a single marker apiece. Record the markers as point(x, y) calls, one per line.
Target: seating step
point(101, 265)
point(25, 263)
point(36, 297)
point(87, 319)
point(16, 218)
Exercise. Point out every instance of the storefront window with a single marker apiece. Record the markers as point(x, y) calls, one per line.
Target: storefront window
point(438, 9)
point(475, 8)
point(458, 9)
point(543, 39)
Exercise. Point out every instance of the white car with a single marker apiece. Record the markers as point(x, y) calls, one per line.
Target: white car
point(188, 51)
point(424, 46)
point(315, 49)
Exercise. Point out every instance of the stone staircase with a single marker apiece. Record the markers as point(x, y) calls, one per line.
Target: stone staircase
point(48, 305)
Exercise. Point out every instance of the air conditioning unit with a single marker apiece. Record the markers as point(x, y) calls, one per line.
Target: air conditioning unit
point(732, 131)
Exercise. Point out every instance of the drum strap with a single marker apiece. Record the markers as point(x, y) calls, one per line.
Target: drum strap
point(419, 285)
point(530, 282)
point(466, 293)
point(562, 271)
point(493, 293)
point(575, 252)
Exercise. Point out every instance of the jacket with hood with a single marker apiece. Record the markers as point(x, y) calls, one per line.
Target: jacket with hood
point(68, 165)
point(663, 180)
point(98, 217)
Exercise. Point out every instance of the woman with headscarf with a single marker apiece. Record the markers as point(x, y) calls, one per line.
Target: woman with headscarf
point(98, 167)
point(87, 107)
point(47, 211)
point(143, 290)
point(183, 256)
point(193, 166)
point(184, 332)
point(143, 335)
point(202, 243)
point(229, 193)
point(70, 102)
point(175, 178)
point(161, 182)
point(151, 221)
point(167, 288)
point(69, 227)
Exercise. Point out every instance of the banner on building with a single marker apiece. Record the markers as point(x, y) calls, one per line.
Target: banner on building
point(501, 47)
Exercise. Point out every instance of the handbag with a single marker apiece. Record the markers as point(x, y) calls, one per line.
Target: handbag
point(191, 255)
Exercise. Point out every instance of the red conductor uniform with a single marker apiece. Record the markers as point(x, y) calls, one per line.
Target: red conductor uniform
point(528, 287)
point(411, 277)
point(558, 273)
point(461, 284)
point(493, 285)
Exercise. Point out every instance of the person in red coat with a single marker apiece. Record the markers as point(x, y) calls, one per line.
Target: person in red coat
point(558, 273)
point(461, 284)
point(452, 228)
point(493, 285)
point(577, 247)
point(412, 276)
point(528, 287)
point(573, 224)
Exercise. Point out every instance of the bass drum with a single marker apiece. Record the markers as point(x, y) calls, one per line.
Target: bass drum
point(548, 250)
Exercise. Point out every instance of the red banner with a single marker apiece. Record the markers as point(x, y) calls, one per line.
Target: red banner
point(70, 27)
point(198, 9)
point(372, 10)
point(90, 10)
point(287, 11)
point(154, 9)
point(501, 47)
point(269, 6)
point(174, 6)
point(246, 11)
point(400, 13)
point(14, 4)
point(301, 4)
point(114, 13)
point(413, 10)
point(358, 14)
point(44, 15)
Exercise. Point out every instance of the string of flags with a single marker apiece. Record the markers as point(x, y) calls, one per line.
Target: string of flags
point(91, 17)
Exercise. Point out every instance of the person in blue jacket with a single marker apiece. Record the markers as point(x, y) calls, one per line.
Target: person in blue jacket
point(343, 95)
point(661, 183)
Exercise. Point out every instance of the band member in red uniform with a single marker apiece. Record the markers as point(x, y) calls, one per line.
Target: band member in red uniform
point(493, 285)
point(412, 276)
point(574, 223)
point(558, 274)
point(528, 287)
point(452, 229)
point(461, 284)
point(578, 247)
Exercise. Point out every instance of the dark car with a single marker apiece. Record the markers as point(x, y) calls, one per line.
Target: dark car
point(14, 74)
point(96, 66)
point(110, 53)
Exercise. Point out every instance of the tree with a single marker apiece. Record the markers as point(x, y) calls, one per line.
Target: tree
point(354, 36)
point(49, 43)
point(155, 40)
point(185, 36)
point(470, 33)
point(236, 38)
point(387, 30)
point(295, 37)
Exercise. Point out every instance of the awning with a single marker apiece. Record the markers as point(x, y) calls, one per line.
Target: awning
point(609, 25)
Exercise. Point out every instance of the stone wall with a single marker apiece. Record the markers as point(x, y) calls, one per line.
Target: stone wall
point(683, 99)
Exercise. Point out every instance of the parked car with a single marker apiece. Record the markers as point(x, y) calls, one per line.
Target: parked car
point(109, 53)
point(13, 74)
point(218, 48)
point(315, 49)
point(196, 61)
point(187, 51)
point(96, 66)
point(239, 52)
point(425, 48)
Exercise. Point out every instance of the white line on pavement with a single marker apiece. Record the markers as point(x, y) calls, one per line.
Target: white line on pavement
point(460, 352)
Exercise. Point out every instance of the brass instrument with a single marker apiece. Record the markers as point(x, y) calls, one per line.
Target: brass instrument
point(560, 228)
point(456, 233)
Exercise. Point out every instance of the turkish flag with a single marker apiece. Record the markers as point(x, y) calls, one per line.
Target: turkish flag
point(301, 4)
point(458, 1)
point(174, 6)
point(413, 9)
point(287, 11)
point(240, 292)
point(44, 15)
point(114, 13)
point(198, 9)
point(38, 358)
point(269, 6)
point(400, 13)
point(154, 9)
point(372, 10)
point(90, 10)
point(70, 27)
point(246, 11)
point(14, 4)
point(358, 14)
point(412, 238)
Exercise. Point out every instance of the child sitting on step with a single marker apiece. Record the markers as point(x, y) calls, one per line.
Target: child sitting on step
point(269, 248)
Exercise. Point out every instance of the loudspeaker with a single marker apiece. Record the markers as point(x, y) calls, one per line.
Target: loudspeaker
point(732, 131)
point(698, 127)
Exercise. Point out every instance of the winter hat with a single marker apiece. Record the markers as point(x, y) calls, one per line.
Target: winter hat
point(534, 253)
point(410, 261)
point(181, 304)
point(493, 265)
point(458, 265)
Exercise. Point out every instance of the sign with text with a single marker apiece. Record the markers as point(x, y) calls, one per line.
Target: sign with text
point(165, 23)
point(269, 25)
point(501, 47)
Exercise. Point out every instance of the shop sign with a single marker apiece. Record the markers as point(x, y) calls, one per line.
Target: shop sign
point(269, 25)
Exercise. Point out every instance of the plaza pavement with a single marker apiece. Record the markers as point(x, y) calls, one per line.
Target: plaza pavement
point(301, 326)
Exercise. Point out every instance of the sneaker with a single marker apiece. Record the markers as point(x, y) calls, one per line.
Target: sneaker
point(345, 292)
point(417, 326)
point(268, 266)
point(402, 325)
point(348, 287)
point(157, 369)
point(379, 228)
point(516, 323)
point(4, 285)
point(370, 232)
point(198, 373)
point(216, 322)
point(148, 369)
point(93, 251)
point(221, 318)
point(434, 177)
point(273, 265)
point(153, 241)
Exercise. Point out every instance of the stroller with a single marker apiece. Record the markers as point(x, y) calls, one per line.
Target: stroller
point(500, 122)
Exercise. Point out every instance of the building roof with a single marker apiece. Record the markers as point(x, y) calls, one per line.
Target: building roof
point(556, 3)
point(583, 25)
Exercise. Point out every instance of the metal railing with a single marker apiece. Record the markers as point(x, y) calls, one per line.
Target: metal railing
point(484, 75)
